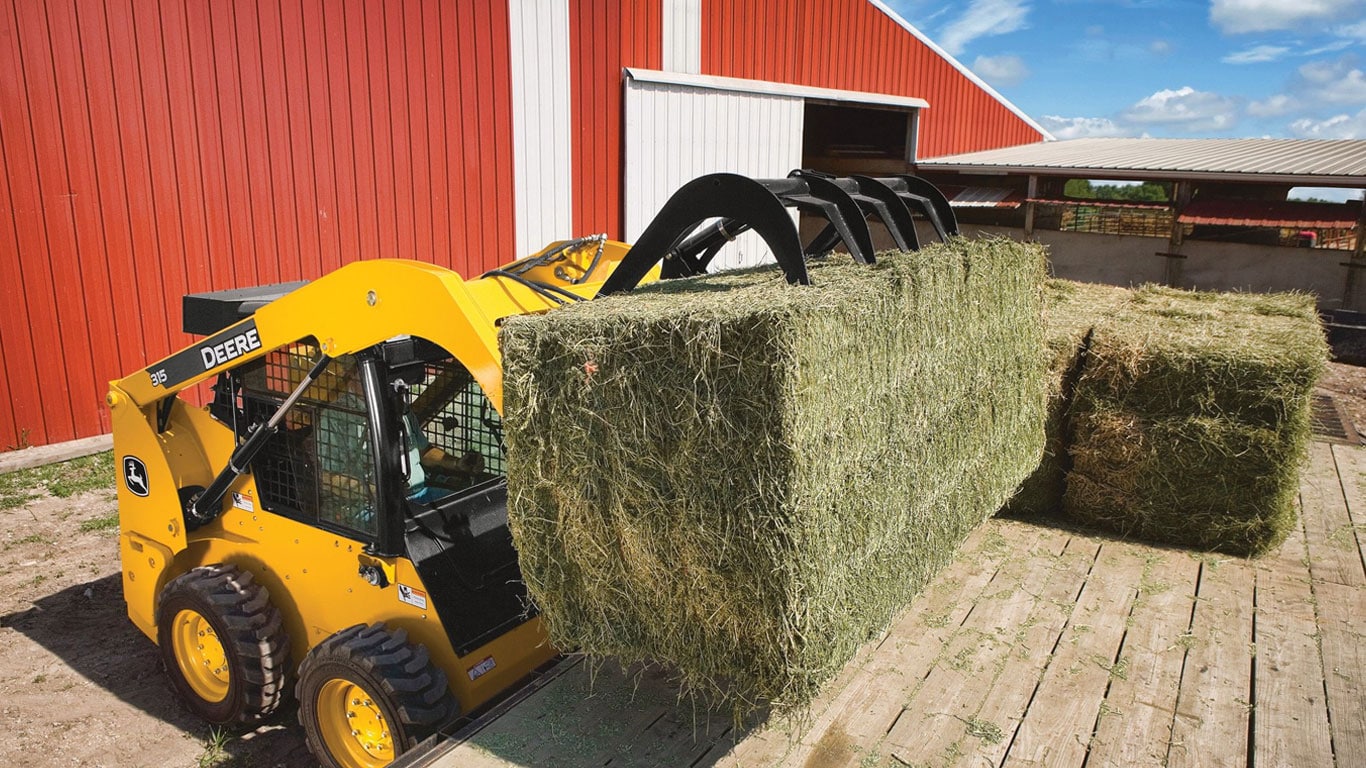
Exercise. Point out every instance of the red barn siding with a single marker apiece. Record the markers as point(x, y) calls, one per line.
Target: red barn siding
point(605, 36)
point(852, 45)
point(154, 148)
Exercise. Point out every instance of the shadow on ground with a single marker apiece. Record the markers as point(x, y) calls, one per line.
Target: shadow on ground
point(87, 628)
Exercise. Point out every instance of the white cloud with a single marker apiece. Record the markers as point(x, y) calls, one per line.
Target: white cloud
point(1273, 106)
point(1333, 82)
point(1236, 17)
point(1160, 47)
point(1333, 47)
point(1355, 31)
point(983, 18)
point(1338, 127)
point(1256, 54)
point(1081, 127)
point(1186, 109)
point(1003, 70)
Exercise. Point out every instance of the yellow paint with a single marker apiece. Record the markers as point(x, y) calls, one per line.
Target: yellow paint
point(352, 725)
point(200, 656)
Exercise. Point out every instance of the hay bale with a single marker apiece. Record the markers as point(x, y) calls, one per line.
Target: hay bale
point(746, 480)
point(1191, 419)
point(1071, 310)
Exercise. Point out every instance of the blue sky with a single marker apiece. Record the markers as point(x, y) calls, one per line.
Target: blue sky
point(1165, 68)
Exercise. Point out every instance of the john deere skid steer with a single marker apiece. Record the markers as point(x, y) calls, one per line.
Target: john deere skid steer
point(333, 523)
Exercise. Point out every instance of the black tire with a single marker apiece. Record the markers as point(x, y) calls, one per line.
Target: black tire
point(239, 675)
point(366, 695)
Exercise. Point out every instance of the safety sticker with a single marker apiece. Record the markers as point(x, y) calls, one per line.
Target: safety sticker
point(482, 668)
point(414, 597)
point(244, 502)
point(135, 476)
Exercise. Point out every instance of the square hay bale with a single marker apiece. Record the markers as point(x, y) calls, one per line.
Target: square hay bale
point(1190, 421)
point(746, 480)
point(1071, 311)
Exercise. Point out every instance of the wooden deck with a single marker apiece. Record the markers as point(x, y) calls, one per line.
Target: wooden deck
point(1038, 646)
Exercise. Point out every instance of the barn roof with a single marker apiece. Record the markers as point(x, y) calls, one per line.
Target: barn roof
point(1303, 162)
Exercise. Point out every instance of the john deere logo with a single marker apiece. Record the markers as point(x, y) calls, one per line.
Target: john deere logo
point(135, 475)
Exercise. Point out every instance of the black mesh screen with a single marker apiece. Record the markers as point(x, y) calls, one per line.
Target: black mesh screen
point(319, 465)
point(452, 413)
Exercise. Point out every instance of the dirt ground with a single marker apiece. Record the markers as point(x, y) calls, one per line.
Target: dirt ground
point(80, 686)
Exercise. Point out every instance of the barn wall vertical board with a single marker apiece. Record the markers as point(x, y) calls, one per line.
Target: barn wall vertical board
point(37, 187)
point(92, 324)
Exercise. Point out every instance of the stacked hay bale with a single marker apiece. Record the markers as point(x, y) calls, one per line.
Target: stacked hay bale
point(1071, 310)
point(746, 480)
point(1191, 418)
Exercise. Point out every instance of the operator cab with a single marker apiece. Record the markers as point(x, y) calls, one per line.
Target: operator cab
point(396, 447)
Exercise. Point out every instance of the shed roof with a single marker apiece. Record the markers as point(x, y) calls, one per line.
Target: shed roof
point(1304, 162)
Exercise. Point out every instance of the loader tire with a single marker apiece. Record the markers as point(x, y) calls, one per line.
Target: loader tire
point(366, 695)
point(223, 644)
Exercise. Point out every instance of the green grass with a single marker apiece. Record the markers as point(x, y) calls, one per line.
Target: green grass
point(215, 749)
point(63, 479)
point(102, 523)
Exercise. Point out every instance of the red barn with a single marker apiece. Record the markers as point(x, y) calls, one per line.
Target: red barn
point(157, 147)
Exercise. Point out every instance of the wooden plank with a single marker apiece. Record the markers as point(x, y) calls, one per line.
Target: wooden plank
point(933, 671)
point(1333, 552)
point(1058, 726)
point(587, 719)
point(1351, 462)
point(1342, 636)
point(1215, 699)
point(1134, 727)
point(861, 705)
point(970, 706)
point(1290, 717)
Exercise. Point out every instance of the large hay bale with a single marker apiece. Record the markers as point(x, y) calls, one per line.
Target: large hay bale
point(1071, 310)
point(1191, 419)
point(746, 480)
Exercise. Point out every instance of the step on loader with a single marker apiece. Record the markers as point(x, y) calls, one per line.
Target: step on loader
point(332, 525)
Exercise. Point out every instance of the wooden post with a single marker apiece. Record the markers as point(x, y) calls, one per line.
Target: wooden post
point(1032, 192)
point(1357, 263)
point(1171, 273)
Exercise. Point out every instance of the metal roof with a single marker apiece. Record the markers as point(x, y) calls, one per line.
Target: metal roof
point(1304, 162)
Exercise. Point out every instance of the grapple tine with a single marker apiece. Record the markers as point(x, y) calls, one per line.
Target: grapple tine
point(933, 202)
point(892, 210)
point(824, 195)
point(738, 200)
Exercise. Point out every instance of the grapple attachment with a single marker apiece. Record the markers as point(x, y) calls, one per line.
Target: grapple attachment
point(737, 203)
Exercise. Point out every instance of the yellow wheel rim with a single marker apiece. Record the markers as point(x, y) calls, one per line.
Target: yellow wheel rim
point(353, 726)
point(200, 655)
